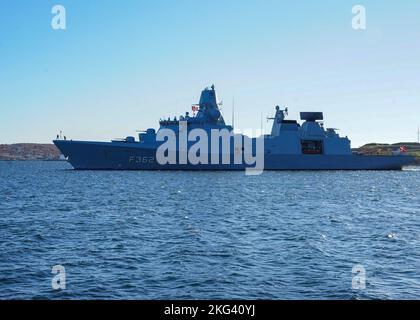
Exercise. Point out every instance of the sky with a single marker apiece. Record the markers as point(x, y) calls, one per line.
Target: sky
point(119, 66)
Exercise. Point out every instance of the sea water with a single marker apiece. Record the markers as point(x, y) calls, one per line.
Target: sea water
point(208, 235)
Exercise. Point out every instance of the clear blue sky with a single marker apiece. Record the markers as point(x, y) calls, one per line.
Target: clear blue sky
point(121, 65)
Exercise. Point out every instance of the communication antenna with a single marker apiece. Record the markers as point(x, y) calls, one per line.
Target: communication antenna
point(233, 112)
point(418, 134)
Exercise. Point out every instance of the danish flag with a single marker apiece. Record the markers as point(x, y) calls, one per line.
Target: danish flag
point(403, 149)
point(194, 108)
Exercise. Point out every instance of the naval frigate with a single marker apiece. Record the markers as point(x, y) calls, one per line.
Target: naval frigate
point(290, 146)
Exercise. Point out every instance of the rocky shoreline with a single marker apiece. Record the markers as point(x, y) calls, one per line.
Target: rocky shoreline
point(29, 151)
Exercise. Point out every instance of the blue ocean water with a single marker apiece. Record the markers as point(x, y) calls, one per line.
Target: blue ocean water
point(207, 235)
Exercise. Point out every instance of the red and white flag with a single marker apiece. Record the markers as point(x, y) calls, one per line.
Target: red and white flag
point(194, 108)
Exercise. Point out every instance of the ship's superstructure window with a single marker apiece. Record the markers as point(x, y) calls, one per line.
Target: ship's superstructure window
point(312, 147)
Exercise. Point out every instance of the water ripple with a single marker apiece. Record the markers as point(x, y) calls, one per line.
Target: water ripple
point(199, 235)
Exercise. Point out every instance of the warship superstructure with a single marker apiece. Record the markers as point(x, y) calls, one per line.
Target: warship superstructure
point(290, 145)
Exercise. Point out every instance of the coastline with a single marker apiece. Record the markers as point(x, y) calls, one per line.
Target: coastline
point(29, 151)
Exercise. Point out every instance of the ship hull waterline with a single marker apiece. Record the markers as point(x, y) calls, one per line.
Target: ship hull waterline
point(85, 155)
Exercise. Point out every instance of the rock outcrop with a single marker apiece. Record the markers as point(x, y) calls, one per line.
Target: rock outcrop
point(29, 151)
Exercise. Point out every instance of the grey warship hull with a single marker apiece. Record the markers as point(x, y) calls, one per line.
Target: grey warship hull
point(85, 155)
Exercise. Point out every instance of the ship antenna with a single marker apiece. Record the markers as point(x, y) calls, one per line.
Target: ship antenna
point(233, 112)
point(418, 134)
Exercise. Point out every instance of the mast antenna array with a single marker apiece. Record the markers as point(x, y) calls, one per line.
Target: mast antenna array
point(233, 112)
